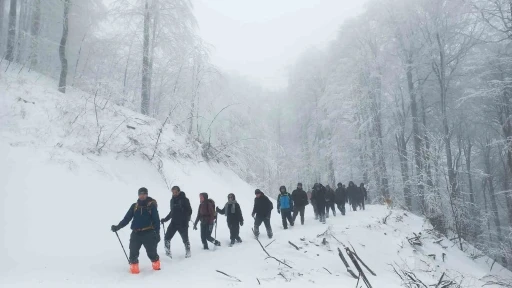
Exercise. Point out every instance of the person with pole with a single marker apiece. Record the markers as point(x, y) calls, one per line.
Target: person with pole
point(234, 217)
point(180, 214)
point(207, 215)
point(145, 230)
point(300, 201)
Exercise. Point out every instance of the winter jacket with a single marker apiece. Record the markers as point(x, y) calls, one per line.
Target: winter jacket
point(206, 211)
point(144, 216)
point(284, 200)
point(340, 196)
point(233, 216)
point(329, 194)
point(262, 206)
point(181, 211)
point(352, 193)
point(300, 198)
point(318, 196)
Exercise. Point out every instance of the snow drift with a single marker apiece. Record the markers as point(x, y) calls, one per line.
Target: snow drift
point(71, 166)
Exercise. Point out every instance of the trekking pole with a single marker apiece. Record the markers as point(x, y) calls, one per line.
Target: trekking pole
point(163, 226)
point(122, 247)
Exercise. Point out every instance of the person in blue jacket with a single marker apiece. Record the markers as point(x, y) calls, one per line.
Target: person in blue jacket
point(145, 229)
point(285, 206)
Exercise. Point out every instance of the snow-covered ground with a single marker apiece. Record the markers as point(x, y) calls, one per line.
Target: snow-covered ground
point(60, 194)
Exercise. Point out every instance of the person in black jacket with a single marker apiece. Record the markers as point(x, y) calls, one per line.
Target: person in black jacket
point(313, 200)
point(300, 201)
point(318, 196)
point(329, 201)
point(363, 194)
point(234, 216)
point(341, 198)
point(261, 213)
point(145, 230)
point(353, 195)
point(180, 214)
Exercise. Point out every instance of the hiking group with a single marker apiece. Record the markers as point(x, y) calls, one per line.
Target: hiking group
point(145, 219)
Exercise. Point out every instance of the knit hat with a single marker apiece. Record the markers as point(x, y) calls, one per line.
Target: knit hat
point(257, 191)
point(143, 190)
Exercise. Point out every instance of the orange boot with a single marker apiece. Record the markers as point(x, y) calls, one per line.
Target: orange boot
point(156, 265)
point(134, 268)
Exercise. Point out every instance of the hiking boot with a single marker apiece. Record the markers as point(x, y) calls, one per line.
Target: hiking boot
point(216, 243)
point(232, 243)
point(285, 228)
point(187, 253)
point(156, 265)
point(238, 239)
point(292, 223)
point(205, 247)
point(134, 268)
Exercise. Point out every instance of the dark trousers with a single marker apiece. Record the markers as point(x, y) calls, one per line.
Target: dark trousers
point(296, 211)
point(361, 204)
point(354, 206)
point(206, 233)
point(234, 231)
point(315, 209)
point(330, 205)
point(286, 214)
point(171, 231)
point(149, 239)
point(341, 207)
point(257, 223)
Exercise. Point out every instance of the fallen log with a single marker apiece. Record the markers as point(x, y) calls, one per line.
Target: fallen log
point(346, 264)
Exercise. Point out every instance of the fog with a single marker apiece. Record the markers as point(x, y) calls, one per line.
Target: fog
point(412, 98)
point(261, 39)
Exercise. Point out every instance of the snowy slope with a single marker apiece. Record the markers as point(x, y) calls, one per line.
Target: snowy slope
point(59, 196)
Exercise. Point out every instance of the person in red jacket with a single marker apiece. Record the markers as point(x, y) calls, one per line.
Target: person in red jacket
point(206, 214)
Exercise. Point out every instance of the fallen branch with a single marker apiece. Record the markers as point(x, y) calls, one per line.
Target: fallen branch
point(327, 270)
point(232, 277)
point(440, 280)
point(270, 256)
point(282, 275)
point(359, 269)
point(259, 283)
point(385, 220)
point(432, 255)
point(346, 264)
point(294, 246)
point(359, 259)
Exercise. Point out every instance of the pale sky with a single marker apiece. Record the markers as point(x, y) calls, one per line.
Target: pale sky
point(260, 38)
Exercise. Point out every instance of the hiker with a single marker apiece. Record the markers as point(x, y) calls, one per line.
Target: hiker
point(180, 214)
point(318, 197)
point(313, 200)
point(353, 195)
point(234, 217)
point(261, 213)
point(206, 214)
point(341, 198)
point(145, 230)
point(285, 207)
point(329, 201)
point(300, 201)
point(363, 195)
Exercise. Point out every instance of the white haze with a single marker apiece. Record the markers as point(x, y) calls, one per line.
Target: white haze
point(260, 39)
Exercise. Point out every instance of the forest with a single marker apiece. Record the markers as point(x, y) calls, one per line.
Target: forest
point(413, 98)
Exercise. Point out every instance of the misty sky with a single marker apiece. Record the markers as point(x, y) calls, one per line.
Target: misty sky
point(259, 38)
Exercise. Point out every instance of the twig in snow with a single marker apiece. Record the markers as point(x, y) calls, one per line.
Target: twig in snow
point(440, 279)
point(492, 265)
point(270, 243)
point(444, 255)
point(359, 269)
point(346, 263)
point(282, 275)
point(269, 256)
point(432, 255)
point(232, 277)
point(359, 259)
point(385, 220)
point(327, 270)
point(259, 283)
point(294, 246)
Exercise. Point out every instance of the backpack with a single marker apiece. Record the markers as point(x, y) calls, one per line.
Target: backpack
point(284, 201)
point(214, 210)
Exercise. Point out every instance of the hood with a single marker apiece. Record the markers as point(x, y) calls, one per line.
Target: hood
point(282, 188)
point(340, 185)
point(231, 194)
point(205, 195)
point(351, 183)
point(258, 191)
point(328, 187)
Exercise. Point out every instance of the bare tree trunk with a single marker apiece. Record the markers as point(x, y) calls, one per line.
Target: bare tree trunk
point(467, 154)
point(11, 34)
point(34, 32)
point(23, 20)
point(2, 18)
point(145, 63)
point(153, 44)
point(62, 48)
point(401, 145)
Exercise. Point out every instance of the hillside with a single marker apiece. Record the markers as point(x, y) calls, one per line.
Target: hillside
point(69, 171)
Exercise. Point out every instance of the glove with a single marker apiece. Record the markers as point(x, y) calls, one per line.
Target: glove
point(114, 228)
point(162, 220)
point(253, 215)
point(241, 223)
point(195, 227)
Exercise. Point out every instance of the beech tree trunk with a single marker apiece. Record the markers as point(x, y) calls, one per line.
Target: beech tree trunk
point(62, 48)
point(11, 34)
point(144, 109)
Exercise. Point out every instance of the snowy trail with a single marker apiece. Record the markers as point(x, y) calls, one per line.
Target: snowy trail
point(59, 198)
